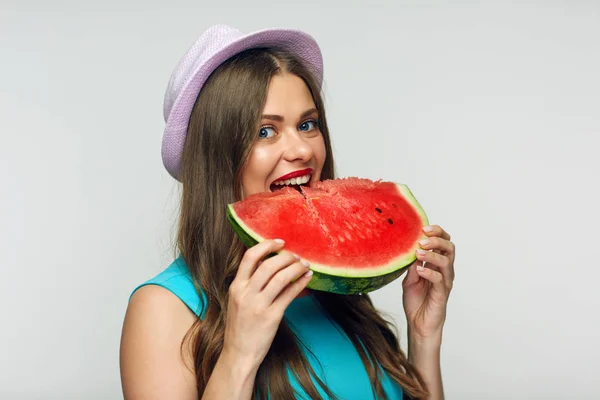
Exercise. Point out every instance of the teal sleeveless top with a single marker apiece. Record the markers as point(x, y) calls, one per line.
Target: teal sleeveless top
point(334, 358)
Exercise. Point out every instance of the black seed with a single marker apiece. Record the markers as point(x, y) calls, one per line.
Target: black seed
point(378, 210)
point(390, 221)
point(394, 206)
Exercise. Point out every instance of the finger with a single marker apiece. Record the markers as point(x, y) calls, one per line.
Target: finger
point(442, 262)
point(412, 276)
point(255, 254)
point(287, 295)
point(282, 279)
point(436, 230)
point(438, 245)
point(432, 276)
point(270, 267)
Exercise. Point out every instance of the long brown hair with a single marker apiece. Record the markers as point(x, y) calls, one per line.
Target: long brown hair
point(222, 130)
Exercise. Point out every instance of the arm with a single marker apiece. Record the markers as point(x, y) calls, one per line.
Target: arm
point(427, 287)
point(230, 379)
point(152, 366)
point(156, 322)
point(424, 354)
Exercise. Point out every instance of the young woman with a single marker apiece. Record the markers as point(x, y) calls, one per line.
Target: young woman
point(223, 321)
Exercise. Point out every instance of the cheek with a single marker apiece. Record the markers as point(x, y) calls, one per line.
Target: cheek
point(262, 161)
point(260, 164)
point(319, 151)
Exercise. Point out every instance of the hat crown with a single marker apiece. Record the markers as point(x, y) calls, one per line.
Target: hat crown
point(206, 46)
point(214, 46)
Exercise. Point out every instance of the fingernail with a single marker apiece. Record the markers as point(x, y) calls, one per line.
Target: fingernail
point(424, 242)
point(421, 252)
point(305, 263)
point(428, 228)
point(420, 268)
point(309, 273)
point(296, 256)
point(280, 241)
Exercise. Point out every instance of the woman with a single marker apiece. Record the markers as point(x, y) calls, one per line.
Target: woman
point(223, 322)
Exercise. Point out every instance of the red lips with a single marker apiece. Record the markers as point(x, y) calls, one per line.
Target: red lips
point(295, 174)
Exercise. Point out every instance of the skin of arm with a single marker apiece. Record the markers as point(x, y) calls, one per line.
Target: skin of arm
point(424, 354)
point(427, 287)
point(152, 363)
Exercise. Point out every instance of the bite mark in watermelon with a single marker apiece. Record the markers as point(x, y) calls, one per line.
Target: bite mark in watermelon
point(357, 234)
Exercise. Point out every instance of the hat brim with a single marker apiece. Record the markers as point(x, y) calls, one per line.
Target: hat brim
point(295, 41)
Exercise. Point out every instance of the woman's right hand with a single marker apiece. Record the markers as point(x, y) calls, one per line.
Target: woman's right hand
point(258, 298)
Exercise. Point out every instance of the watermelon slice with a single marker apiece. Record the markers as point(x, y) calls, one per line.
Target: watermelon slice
point(357, 234)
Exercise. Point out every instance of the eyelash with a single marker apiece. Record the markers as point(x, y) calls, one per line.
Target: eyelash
point(313, 120)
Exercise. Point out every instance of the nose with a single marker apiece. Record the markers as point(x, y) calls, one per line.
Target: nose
point(297, 148)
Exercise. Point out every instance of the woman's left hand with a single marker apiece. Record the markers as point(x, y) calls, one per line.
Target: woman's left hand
point(428, 284)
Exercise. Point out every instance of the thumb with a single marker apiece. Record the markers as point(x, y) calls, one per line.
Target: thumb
point(412, 276)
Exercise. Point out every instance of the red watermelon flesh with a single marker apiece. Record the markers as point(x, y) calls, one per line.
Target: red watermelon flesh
point(357, 234)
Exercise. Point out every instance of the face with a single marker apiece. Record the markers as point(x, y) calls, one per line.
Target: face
point(289, 144)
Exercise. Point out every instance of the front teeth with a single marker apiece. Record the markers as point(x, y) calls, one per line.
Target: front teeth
point(294, 181)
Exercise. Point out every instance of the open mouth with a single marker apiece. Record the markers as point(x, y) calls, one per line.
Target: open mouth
point(293, 182)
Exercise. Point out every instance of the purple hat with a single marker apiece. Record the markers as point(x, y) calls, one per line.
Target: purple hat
point(217, 44)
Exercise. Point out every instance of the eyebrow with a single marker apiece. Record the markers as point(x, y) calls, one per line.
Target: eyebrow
point(279, 118)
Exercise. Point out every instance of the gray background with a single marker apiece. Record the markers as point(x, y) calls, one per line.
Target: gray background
point(489, 111)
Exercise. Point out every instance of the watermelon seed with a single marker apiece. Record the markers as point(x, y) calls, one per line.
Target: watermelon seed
point(390, 221)
point(378, 210)
point(394, 205)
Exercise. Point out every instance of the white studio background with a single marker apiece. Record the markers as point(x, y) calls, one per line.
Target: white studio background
point(489, 111)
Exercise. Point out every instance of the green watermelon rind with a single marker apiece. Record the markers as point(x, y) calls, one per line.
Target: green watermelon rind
point(341, 280)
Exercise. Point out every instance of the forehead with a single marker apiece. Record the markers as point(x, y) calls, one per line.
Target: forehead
point(288, 95)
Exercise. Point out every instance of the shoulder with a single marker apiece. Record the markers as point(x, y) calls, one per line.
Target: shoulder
point(153, 362)
point(176, 278)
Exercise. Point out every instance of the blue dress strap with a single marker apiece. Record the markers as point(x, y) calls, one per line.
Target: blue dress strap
point(178, 280)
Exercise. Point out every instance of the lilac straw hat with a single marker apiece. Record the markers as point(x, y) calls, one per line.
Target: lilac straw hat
point(217, 44)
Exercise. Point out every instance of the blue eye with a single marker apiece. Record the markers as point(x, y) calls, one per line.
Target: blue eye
point(264, 132)
point(308, 125)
